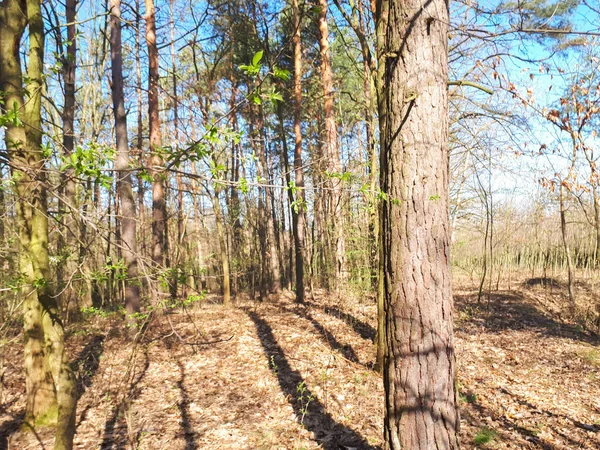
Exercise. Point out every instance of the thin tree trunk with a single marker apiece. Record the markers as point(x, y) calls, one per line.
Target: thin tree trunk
point(180, 261)
point(223, 248)
point(122, 165)
point(299, 208)
point(596, 225)
point(290, 194)
point(140, 130)
point(332, 151)
point(272, 254)
point(159, 236)
point(420, 403)
point(65, 271)
point(563, 231)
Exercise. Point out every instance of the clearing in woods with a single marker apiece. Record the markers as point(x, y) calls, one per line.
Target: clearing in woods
point(275, 375)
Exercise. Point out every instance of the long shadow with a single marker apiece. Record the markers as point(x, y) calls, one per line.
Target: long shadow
point(508, 424)
point(326, 335)
point(87, 362)
point(85, 365)
point(511, 311)
point(587, 427)
point(113, 432)
point(8, 428)
point(189, 434)
point(309, 413)
point(363, 329)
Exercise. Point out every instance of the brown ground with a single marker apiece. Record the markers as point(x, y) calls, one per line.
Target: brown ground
point(274, 375)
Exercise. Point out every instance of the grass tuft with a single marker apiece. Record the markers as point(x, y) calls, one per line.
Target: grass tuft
point(484, 436)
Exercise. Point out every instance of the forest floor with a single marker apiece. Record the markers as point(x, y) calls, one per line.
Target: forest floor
point(274, 375)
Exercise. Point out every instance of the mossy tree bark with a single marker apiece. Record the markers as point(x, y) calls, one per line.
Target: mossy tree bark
point(420, 402)
point(47, 371)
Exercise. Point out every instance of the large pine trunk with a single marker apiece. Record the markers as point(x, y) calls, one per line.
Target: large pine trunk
point(421, 411)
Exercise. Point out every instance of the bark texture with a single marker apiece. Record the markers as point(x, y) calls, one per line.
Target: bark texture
point(47, 371)
point(421, 411)
point(124, 186)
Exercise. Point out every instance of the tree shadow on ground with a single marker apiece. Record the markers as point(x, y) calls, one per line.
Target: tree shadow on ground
point(9, 427)
point(510, 310)
point(505, 425)
point(326, 336)
point(310, 414)
point(85, 365)
point(188, 433)
point(115, 431)
point(584, 426)
point(363, 329)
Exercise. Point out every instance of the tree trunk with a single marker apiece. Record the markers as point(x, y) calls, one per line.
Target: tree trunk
point(140, 132)
point(46, 367)
point(159, 208)
point(420, 402)
point(179, 249)
point(563, 232)
point(272, 254)
point(332, 152)
point(124, 187)
point(41, 399)
point(299, 205)
point(596, 225)
point(68, 203)
point(223, 248)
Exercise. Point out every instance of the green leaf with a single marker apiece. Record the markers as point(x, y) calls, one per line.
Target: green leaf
point(257, 57)
point(275, 97)
point(282, 74)
point(244, 186)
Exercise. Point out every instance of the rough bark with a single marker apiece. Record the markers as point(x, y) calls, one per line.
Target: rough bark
point(124, 186)
point(420, 402)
